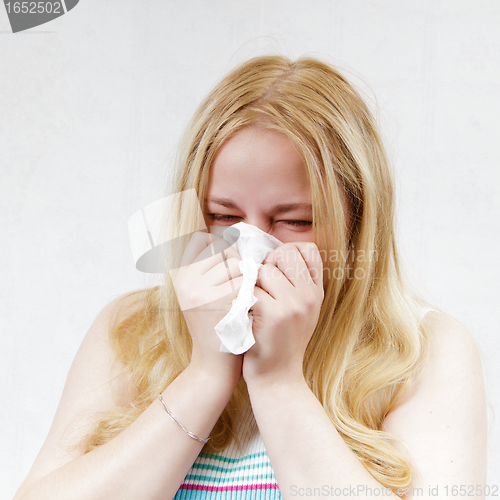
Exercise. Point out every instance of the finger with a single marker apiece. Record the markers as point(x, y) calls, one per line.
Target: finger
point(197, 243)
point(264, 300)
point(312, 258)
point(224, 271)
point(272, 280)
point(229, 288)
point(204, 263)
point(206, 251)
point(215, 245)
point(289, 260)
point(221, 295)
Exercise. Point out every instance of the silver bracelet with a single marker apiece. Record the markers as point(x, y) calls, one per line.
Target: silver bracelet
point(189, 433)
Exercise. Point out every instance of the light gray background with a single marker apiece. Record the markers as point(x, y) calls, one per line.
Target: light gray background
point(92, 106)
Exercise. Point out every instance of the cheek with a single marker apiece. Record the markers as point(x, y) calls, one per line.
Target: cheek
point(289, 235)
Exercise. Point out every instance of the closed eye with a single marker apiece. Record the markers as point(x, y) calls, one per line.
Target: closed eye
point(304, 223)
point(222, 217)
point(231, 218)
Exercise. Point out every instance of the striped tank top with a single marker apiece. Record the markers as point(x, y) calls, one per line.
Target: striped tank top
point(242, 475)
point(235, 474)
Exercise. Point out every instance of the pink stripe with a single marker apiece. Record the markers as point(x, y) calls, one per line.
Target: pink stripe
point(228, 488)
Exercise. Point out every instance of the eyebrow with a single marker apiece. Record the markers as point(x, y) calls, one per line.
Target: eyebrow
point(277, 209)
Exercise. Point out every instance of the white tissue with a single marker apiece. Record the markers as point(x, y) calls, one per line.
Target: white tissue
point(253, 245)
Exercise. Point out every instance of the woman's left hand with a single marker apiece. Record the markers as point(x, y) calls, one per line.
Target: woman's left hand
point(290, 292)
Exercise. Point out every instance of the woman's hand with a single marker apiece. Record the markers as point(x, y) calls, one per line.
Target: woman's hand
point(290, 292)
point(206, 285)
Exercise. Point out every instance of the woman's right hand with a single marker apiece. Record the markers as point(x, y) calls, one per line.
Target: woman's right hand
point(206, 285)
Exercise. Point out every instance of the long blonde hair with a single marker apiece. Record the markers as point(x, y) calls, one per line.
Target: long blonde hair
point(367, 345)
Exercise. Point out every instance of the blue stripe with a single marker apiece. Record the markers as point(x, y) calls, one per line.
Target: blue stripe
point(218, 479)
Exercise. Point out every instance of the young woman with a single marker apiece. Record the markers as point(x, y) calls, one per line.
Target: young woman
point(354, 386)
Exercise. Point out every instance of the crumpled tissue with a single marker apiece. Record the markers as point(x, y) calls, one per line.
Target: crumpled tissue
point(253, 245)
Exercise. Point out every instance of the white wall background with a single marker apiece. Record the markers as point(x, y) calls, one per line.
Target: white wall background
point(93, 104)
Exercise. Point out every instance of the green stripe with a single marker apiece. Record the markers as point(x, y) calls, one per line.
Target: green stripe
point(219, 468)
point(222, 458)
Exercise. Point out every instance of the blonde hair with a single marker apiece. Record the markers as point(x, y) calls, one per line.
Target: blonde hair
point(367, 345)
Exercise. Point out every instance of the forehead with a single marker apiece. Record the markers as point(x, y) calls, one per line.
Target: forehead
point(259, 159)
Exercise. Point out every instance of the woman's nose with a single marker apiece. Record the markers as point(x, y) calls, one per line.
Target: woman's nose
point(263, 226)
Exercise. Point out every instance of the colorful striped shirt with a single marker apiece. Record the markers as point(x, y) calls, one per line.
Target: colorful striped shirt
point(233, 474)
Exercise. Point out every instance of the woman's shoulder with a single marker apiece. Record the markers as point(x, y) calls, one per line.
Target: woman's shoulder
point(452, 365)
point(447, 334)
point(126, 304)
point(445, 408)
point(112, 314)
point(119, 315)
point(96, 356)
point(96, 378)
point(94, 383)
point(453, 351)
